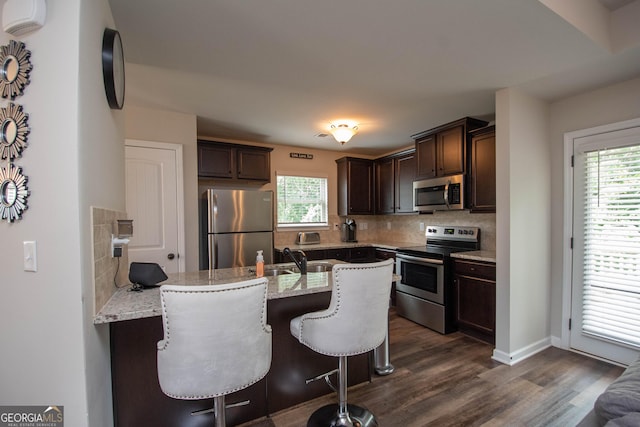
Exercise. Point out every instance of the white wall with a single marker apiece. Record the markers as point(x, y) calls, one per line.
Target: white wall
point(607, 105)
point(100, 164)
point(52, 354)
point(522, 226)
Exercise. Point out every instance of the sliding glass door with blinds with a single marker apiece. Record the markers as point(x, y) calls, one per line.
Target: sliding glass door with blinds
point(605, 308)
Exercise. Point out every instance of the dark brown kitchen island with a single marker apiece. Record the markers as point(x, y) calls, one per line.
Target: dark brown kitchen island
point(136, 326)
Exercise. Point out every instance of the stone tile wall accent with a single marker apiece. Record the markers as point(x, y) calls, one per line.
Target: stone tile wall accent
point(105, 268)
point(403, 228)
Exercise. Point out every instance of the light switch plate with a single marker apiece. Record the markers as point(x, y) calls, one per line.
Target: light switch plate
point(30, 258)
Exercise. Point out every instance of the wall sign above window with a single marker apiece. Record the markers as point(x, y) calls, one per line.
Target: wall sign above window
point(15, 67)
point(301, 156)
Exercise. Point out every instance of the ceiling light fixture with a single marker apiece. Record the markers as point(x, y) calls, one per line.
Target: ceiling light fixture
point(343, 132)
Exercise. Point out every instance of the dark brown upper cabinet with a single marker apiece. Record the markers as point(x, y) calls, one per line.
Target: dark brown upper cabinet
point(442, 151)
point(234, 161)
point(394, 183)
point(405, 174)
point(355, 186)
point(482, 173)
point(385, 188)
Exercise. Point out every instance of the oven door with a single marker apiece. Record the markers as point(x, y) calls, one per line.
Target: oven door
point(421, 277)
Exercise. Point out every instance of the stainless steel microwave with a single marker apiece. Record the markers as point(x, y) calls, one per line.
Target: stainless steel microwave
point(439, 194)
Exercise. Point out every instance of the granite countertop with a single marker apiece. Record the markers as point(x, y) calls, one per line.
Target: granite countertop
point(391, 245)
point(486, 256)
point(128, 305)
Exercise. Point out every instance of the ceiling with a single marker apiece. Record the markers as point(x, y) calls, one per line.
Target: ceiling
point(281, 71)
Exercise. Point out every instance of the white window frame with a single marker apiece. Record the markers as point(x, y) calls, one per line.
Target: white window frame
point(300, 226)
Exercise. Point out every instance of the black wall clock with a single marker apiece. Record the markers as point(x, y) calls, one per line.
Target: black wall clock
point(113, 68)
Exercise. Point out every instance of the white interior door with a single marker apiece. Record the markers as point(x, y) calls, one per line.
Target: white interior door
point(154, 201)
point(605, 295)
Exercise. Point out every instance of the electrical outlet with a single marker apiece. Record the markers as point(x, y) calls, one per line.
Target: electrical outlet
point(388, 225)
point(422, 226)
point(365, 226)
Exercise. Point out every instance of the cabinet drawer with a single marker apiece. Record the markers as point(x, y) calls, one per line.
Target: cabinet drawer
point(475, 269)
point(362, 254)
point(382, 254)
point(315, 254)
point(337, 253)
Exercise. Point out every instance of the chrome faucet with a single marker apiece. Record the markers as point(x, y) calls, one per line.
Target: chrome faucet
point(302, 264)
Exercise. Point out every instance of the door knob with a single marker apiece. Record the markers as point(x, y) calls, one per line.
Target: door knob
point(171, 256)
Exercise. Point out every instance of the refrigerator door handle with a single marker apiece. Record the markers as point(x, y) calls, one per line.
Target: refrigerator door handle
point(213, 252)
point(213, 211)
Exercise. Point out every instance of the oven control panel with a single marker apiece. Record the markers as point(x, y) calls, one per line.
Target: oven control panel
point(452, 233)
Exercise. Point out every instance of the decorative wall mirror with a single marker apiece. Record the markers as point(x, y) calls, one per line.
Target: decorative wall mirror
point(15, 67)
point(13, 193)
point(13, 131)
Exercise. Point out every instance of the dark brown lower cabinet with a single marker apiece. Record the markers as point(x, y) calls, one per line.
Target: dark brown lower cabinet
point(476, 298)
point(355, 254)
point(139, 401)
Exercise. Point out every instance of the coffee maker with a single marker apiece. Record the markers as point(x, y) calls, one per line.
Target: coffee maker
point(348, 231)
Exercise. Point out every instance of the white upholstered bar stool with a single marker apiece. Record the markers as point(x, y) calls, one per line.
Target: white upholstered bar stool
point(354, 323)
point(216, 341)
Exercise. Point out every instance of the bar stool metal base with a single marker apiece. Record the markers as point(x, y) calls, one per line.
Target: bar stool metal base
point(327, 416)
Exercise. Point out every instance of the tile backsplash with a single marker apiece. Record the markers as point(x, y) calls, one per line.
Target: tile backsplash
point(403, 228)
point(108, 273)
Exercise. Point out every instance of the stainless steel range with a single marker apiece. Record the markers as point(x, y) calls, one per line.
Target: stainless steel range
point(425, 294)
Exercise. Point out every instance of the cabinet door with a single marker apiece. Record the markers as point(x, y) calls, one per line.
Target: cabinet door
point(360, 191)
point(450, 151)
point(216, 161)
point(476, 298)
point(483, 173)
point(254, 165)
point(385, 200)
point(405, 174)
point(426, 157)
point(476, 304)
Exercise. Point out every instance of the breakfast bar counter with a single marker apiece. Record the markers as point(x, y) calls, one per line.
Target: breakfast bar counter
point(135, 325)
point(128, 305)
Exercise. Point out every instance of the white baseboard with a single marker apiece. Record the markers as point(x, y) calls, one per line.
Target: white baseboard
point(521, 354)
point(557, 342)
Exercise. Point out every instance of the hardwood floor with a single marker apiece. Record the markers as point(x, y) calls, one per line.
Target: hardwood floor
point(451, 380)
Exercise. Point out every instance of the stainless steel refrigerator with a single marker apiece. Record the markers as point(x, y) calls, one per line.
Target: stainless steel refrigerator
point(238, 224)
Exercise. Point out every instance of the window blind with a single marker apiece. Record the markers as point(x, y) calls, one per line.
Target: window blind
point(302, 201)
point(611, 293)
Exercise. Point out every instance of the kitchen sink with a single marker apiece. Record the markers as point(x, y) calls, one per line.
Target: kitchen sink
point(313, 267)
point(318, 267)
point(279, 271)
